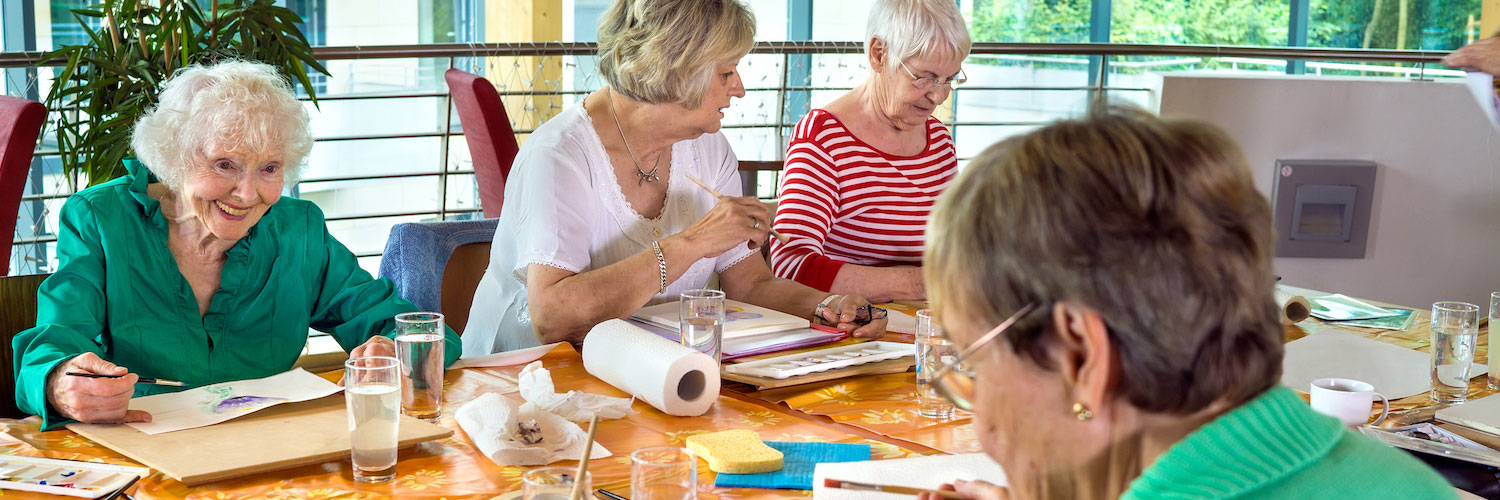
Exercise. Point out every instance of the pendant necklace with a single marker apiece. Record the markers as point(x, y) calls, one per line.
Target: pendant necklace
point(643, 175)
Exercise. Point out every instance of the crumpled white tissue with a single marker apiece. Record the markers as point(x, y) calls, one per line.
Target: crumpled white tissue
point(493, 421)
point(535, 386)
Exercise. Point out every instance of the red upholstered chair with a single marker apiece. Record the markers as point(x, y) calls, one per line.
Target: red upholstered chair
point(20, 122)
point(492, 142)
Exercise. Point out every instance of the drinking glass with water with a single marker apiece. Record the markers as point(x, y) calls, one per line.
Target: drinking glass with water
point(553, 483)
point(1455, 332)
point(933, 349)
point(372, 392)
point(663, 473)
point(1494, 378)
point(419, 346)
point(702, 321)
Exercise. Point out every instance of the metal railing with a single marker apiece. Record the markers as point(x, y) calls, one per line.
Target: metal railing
point(455, 51)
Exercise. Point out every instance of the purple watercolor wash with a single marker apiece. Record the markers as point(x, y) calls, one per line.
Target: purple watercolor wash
point(241, 403)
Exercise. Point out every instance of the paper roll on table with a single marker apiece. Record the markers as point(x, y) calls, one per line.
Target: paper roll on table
point(671, 377)
point(1294, 308)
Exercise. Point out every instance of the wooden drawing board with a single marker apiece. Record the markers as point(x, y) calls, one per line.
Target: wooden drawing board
point(279, 437)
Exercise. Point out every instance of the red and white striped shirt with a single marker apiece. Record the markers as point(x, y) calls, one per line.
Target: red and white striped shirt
point(844, 201)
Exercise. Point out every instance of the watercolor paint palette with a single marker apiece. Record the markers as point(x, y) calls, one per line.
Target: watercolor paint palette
point(803, 363)
point(65, 477)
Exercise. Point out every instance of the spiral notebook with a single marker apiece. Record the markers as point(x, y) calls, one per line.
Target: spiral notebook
point(739, 347)
point(740, 319)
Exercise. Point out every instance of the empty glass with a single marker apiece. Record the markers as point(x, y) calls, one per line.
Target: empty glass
point(663, 473)
point(932, 350)
point(553, 483)
point(1455, 332)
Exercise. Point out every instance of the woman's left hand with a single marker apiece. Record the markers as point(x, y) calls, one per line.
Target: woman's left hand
point(376, 346)
point(852, 314)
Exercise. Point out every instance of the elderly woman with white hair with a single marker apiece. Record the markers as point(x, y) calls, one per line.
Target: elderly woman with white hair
point(863, 172)
point(192, 267)
point(600, 216)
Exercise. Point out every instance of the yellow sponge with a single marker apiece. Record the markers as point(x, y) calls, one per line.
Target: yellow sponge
point(736, 451)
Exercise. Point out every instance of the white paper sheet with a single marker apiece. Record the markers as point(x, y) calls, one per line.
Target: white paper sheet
point(507, 358)
point(1482, 87)
point(922, 472)
point(897, 321)
point(1395, 371)
point(216, 403)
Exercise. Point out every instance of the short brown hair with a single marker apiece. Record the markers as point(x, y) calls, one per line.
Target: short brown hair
point(1155, 224)
point(665, 51)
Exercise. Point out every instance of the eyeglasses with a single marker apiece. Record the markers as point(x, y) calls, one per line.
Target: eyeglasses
point(928, 83)
point(955, 382)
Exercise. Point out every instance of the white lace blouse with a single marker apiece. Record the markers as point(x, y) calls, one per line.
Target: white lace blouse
point(564, 209)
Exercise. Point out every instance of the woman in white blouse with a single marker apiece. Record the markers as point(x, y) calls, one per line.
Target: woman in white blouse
point(600, 218)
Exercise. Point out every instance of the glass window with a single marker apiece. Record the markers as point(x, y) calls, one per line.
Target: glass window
point(1034, 21)
point(1394, 24)
point(1206, 22)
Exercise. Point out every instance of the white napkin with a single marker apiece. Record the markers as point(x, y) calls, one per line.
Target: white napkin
point(920, 472)
point(493, 423)
point(535, 386)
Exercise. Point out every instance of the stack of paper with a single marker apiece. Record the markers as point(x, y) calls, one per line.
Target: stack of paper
point(740, 319)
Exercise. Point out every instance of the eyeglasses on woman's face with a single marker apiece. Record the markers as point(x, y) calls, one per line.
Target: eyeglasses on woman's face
point(930, 83)
point(954, 381)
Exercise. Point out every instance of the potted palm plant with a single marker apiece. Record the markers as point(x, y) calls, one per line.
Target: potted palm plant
point(105, 85)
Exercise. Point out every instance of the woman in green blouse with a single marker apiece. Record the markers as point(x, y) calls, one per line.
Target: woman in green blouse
point(1108, 283)
point(193, 267)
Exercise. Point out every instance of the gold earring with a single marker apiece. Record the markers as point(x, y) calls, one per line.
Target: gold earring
point(1082, 412)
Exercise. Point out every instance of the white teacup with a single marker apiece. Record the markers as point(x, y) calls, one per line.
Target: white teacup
point(1347, 400)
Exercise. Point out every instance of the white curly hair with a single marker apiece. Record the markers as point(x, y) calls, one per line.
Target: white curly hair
point(230, 106)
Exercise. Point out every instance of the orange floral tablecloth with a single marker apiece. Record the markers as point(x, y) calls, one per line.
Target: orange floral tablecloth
point(452, 468)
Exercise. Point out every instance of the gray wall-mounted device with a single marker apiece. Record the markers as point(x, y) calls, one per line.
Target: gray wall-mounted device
point(1322, 207)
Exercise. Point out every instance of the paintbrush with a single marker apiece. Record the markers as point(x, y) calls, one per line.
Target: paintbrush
point(142, 380)
point(900, 490)
point(779, 237)
point(583, 462)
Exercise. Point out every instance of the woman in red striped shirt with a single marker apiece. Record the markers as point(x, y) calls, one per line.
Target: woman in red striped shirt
point(863, 172)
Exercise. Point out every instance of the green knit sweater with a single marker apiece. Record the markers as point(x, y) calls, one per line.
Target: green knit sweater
point(1275, 446)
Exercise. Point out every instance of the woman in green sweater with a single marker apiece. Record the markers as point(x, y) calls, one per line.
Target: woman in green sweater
point(192, 267)
point(1108, 283)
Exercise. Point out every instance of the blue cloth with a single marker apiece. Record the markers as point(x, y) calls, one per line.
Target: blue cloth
point(797, 463)
point(417, 252)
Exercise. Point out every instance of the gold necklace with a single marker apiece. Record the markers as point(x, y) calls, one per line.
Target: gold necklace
point(643, 175)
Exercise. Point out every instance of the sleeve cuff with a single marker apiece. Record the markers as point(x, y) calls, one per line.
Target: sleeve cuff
point(818, 271)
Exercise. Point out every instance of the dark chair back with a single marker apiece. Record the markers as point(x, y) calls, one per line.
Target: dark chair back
point(20, 122)
point(492, 141)
point(17, 313)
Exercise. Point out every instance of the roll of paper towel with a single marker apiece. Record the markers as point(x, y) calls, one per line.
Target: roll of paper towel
point(1294, 308)
point(674, 378)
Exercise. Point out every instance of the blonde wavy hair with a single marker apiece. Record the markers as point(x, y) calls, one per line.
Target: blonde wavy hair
point(665, 51)
point(231, 106)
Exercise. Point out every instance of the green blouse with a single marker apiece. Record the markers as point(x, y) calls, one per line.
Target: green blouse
point(118, 293)
point(1275, 446)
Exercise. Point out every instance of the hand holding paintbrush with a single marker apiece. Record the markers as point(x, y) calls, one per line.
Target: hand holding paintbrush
point(779, 237)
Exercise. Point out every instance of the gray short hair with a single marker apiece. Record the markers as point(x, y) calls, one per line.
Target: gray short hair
point(664, 51)
point(232, 105)
point(912, 27)
point(1155, 224)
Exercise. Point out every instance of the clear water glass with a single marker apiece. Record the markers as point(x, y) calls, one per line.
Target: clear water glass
point(419, 346)
point(372, 392)
point(1494, 379)
point(553, 483)
point(702, 321)
point(1455, 333)
point(933, 349)
point(663, 473)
